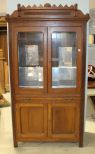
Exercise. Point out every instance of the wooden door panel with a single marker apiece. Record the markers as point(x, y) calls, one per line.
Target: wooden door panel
point(31, 120)
point(64, 120)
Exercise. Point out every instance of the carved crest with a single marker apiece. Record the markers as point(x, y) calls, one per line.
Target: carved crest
point(45, 12)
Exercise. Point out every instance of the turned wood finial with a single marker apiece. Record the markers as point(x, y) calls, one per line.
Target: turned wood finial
point(76, 6)
point(18, 6)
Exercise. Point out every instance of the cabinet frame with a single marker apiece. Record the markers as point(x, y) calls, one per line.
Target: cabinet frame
point(50, 17)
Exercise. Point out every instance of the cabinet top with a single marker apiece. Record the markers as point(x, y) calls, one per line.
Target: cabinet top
point(47, 12)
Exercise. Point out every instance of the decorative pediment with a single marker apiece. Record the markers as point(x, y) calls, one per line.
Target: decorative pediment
point(47, 12)
point(47, 5)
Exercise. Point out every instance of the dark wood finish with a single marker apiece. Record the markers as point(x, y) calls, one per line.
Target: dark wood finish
point(48, 114)
point(83, 85)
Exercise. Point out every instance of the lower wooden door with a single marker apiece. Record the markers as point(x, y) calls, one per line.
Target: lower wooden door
point(63, 121)
point(53, 121)
point(31, 121)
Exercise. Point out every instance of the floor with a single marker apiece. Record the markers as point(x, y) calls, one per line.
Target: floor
point(6, 139)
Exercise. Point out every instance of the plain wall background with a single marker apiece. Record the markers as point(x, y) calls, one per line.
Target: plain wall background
point(3, 6)
point(91, 4)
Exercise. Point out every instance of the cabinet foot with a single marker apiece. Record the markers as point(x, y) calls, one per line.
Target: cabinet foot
point(15, 144)
point(80, 144)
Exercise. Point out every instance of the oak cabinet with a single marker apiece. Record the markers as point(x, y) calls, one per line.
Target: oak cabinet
point(47, 60)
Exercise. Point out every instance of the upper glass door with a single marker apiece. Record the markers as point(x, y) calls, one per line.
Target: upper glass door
point(31, 58)
point(63, 58)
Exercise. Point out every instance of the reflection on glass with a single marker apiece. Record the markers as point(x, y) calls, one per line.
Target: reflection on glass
point(64, 60)
point(63, 77)
point(30, 57)
point(65, 56)
point(31, 77)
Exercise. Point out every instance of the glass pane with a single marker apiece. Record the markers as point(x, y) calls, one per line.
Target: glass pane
point(64, 60)
point(30, 58)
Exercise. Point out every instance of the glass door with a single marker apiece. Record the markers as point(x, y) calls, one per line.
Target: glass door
point(64, 59)
point(31, 59)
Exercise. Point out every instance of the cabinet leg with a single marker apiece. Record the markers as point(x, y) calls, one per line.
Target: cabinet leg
point(15, 144)
point(81, 144)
